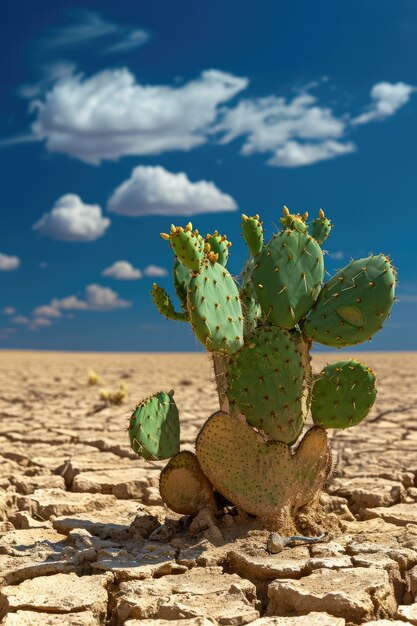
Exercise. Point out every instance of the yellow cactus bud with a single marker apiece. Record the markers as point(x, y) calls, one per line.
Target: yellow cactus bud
point(164, 236)
point(285, 210)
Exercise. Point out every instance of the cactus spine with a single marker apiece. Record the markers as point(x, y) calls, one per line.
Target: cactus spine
point(259, 334)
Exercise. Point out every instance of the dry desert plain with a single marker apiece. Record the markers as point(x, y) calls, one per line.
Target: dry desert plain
point(85, 539)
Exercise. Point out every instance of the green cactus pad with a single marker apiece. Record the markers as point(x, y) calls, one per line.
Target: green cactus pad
point(182, 277)
point(354, 303)
point(343, 394)
point(220, 246)
point(294, 221)
point(321, 227)
point(215, 309)
point(261, 478)
point(188, 245)
point(154, 429)
point(267, 383)
point(252, 233)
point(183, 486)
point(287, 277)
point(164, 305)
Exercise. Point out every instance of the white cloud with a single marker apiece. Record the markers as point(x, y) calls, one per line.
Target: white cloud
point(89, 28)
point(20, 319)
point(155, 191)
point(72, 220)
point(8, 263)
point(155, 270)
point(110, 115)
point(296, 154)
point(295, 132)
point(47, 311)
point(9, 310)
point(387, 99)
point(97, 298)
point(39, 322)
point(122, 270)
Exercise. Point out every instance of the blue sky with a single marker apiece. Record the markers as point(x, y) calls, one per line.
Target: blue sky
point(120, 118)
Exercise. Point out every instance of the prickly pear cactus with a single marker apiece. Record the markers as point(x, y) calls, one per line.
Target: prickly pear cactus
point(256, 451)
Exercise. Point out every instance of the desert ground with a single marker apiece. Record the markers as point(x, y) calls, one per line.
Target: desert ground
point(85, 539)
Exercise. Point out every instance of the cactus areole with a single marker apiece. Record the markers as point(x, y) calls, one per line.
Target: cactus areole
point(256, 451)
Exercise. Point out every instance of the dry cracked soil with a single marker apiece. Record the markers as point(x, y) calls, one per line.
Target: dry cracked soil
point(85, 539)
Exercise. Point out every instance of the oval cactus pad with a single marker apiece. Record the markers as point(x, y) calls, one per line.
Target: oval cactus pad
point(343, 394)
point(154, 429)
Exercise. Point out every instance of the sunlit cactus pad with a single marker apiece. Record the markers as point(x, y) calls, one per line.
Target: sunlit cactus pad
point(154, 428)
point(343, 394)
point(260, 477)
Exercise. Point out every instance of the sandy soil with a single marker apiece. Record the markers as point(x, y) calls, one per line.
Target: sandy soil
point(85, 538)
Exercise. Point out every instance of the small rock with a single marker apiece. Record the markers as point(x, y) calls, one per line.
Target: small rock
point(203, 520)
point(213, 535)
point(144, 525)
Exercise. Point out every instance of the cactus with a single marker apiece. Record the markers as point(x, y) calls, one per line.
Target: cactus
point(343, 394)
point(259, 333)
point(154, 428)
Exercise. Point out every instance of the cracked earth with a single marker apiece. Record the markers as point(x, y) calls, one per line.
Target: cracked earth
point(85, 539)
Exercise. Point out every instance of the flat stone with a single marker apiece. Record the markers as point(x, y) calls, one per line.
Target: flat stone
point(28, 484)
point(409, 612)
point(356, 594)
point(118, 517)
point(369, 492)
point(250, 559)
point(329, 562)
point(59, 593)
point(121, 483)
point(36, 618)
point(138, 561)
point(200, 592)
point(399, 514)
point(47, 502)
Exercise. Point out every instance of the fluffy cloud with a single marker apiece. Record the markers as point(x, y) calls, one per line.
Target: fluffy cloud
point(47, 311)
point(122, 270)
point(296, 154)
point(110, 115)
point(20, 319)
point(155, 271)
point(97, 298)
point(39, 322)
point(295, 132)
point(8, 263)
point(9, 310)
point(387, 99)
point(72, 220)
point(155, 191)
